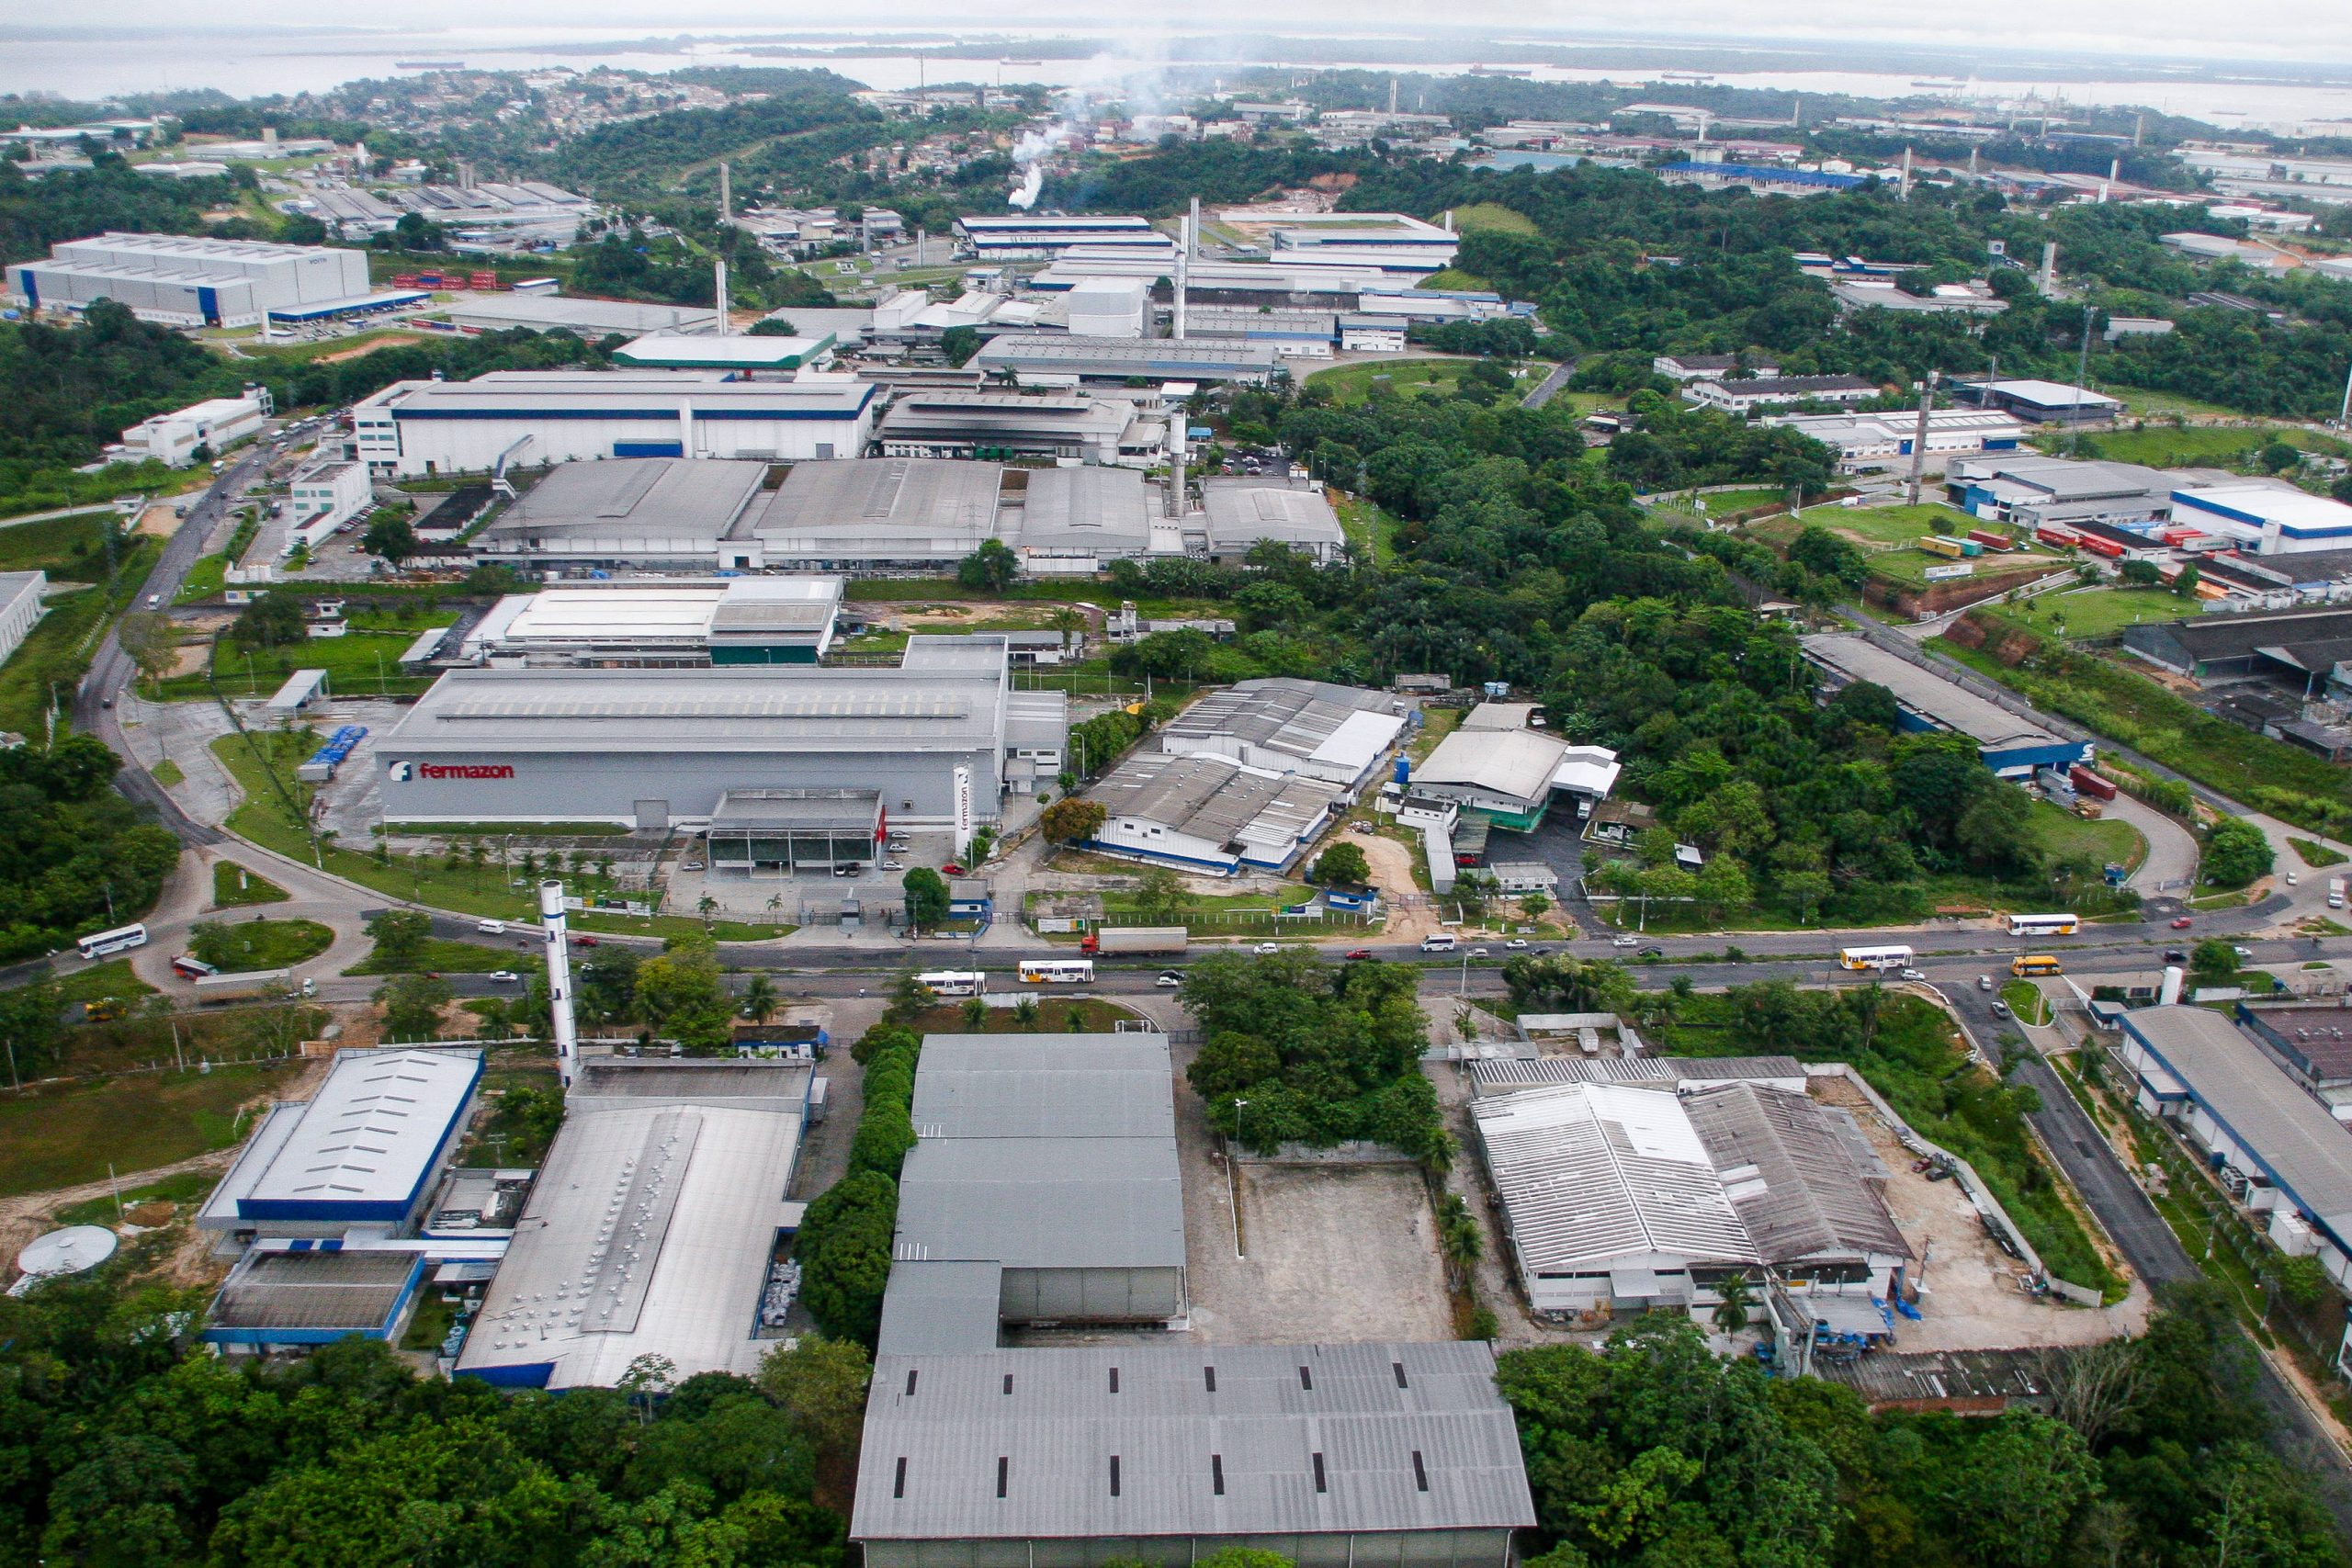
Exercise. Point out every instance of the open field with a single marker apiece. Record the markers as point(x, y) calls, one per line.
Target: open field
point(2207, 446)
point(1492, 216)
point(2096, 612)
point(70, 547)
point(1370, 528)
point(57, 652)
point(62, 1134)
point(2059, 834)
point(357, 663)
point(1353, 383)
point(443, 955)
point(111, 979)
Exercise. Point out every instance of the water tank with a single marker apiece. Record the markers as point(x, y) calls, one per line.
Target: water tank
point(69, 1251)
point(2170, 993)
point(1404, 771)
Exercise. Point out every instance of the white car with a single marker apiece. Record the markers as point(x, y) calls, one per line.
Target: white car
point(1479, 952)
point(894, 865)
point(1265, 947)
point(690, 865)
point(491, 928)
point(1915, 974)
point(503, 977)
point(1169, 980)
point(1516, 944)
point(1624, 942)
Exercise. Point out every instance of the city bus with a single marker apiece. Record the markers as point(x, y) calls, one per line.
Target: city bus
point(1057, 971)
point(188, 966)
point(1861, 958)
point(2044, 925)
point(953, 982)
point(2035, 963)
point(97, 944)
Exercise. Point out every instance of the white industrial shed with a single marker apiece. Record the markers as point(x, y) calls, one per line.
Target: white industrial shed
point(1506, 773)
point(1210, 813)
point(1241, 514)
point(663, 621)
point(1324, 731)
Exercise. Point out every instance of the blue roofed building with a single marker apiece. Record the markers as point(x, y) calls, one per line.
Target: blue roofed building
point(2010, 745)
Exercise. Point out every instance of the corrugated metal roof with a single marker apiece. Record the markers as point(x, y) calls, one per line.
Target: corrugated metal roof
point(1284, 715)
point(1215, 799)
point(935, 1308)
point(881, 504)
point(1240, 512)
point(1043, 1202)
point(1926, 694)
point(371, 1132)
point(1409, 1438)
point(665, 497)
point(1791, 1175)
point(1045, 1086)
point(1516, 762)
point(1095, 507)
point(349, 1289)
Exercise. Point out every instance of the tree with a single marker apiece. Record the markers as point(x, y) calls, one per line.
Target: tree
point(926, 892)
point(274, 620)
point(150, 641)
point(2214, 961)
point(959, 344)
point(759, 1001)
point(2235, 853)
point(2012, 1492)
point(30, 1026)
point(1072, 821)
point(401, 936)
point(772, 326)
point(1160, 897)
point(413, 1004)
point(2185, 584)
point(390, 536)
point(1737, 1297)
point(821, 1384)
point(679, 994)
point(975, 1014)
point(1343, 865)
point(2139, 574)
point(844, 1253)
point(991, 568)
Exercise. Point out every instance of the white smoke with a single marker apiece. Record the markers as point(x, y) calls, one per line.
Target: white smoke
point(1029, 155)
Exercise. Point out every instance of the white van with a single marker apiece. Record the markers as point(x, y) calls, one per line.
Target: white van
point(493, 927)
point(1442, 942)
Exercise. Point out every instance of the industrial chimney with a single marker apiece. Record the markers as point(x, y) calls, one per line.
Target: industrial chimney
point(720, 296)
point(560, 1023)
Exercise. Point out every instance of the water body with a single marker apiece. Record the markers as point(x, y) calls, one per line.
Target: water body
point(284, 60)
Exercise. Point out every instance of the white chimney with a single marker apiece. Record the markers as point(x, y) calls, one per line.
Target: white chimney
point(726, 196)
point(720, 296)
point(2170, 992)
point(560, 1023)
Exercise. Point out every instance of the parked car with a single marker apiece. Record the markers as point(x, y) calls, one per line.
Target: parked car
point(491, 928)
point(1265, 947)
point(1624, 942)
point(1915, 974)
point(2290, 879)
point(1517, 944)
point(2181, 924)
point(1168, 979)
point(1362, 827)
point(2245, 954)
point(1359, 953)
point(1651, 953)
point(1983, 982)
point(690, 865)
point(2000, 1008)
point(894, 865)
point(503, 977)
point(951, 869)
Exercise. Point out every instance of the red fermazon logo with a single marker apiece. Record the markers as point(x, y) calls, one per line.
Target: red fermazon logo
point(403, 772)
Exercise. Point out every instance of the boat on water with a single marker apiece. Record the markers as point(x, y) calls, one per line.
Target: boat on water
point(1502, 70)
point(1020, 62)
point(428, 65)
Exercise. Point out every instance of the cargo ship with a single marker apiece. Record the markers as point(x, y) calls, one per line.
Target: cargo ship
point(428, 65)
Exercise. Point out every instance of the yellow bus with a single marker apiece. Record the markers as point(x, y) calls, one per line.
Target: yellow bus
point(2035, 963)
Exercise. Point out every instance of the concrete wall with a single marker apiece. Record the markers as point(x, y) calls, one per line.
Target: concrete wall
point(1386, 1549)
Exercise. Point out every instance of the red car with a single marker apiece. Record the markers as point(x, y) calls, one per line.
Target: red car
point(2181, 924)
point(1359, 953)
point(951, 869)
point(584, 942)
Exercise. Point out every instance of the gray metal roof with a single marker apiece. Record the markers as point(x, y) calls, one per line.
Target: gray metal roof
point(954, 414)
point(931, 1308)
point(880, 505)
point(729, 708)
point(528, 392)
point(665, 497)
point(1213, 798)
point(1495, 1073)
point(1243, 510)
point(2292, 1135)
point(1043, 1202)
point(607, 1083)
point(371, 1132)
point(349, 1289)
point(1792, 1173)
point(1278, 714)
point(1045, 1086)
point(1201, 358)
point(1927, 694)
point(1368, 1413)
point(595, 316)
point(1093, 508)
point(806, 810)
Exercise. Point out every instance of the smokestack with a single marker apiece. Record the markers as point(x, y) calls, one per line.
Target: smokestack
point(566, 1033)
point(726, 196)
point(1391, 97)
point(719, 297)
point(1919, 434)
point(2048, 266)
point(1906, 174)
point(1972, 161)
point(1177, 418)
point(2170, 992)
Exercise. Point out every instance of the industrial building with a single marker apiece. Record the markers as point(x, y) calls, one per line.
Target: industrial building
point(651, 749)
point(1075, 521)
point(2292, 646)
point(662, 622)
point(2033, 492)
point(1049, 1161)
point(324, 495)
point(1107, 307)
point(1210, 813)
point(196, 281)
point(1625, 1199)
point(1039, 358)
point(2010, 746)
point(1761, 179)
point(1283, 724)
point(363, 1154)
point(2040, 403)
point(1296, 334)
point(20, 605)
point(2276, 1147)
point(1745, 397)
point(547, 313)
point(1683, 1075)
point(278, 1299)
point(2266, 519)
point(1024, 237)
point(1330, 1455)
point(654, 1230)
point(211, 426)
point(1241, 512)
point(2312, 1044)
point(743, 354)
point(794, 832)
point(531, 418)
point(639, 514)
point(1883, 441)
point(889, 513)
point(1687, 367)
point(1505, 774)
point(1063, 425)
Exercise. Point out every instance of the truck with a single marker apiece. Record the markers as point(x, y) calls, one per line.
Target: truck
point(2091, 784)
point(251, 983)
point(1113, 942)
point(2335, 893)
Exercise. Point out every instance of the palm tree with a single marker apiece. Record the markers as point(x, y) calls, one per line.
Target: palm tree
point(1731, 1313)
point(975, 1014)
point(708, 905)
point(759, 1000)
point(1025, 1012)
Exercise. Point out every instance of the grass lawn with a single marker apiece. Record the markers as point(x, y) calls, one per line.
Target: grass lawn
point(1370, 529)
point(112, 978)
point(441, 956)
point(72, 548)
point(2026, 1000)
point(1911, 566)
point(63, 1135)
point(274, 944)
point(2162, 446)
point(1454, 277)
point(2060, 834)
point(1436, 724)
point(1353, 383)
point(913, 590)
point(205, 578)
point(2315, 855)
point(1492, 215)
point(57, 651)
point(357, 663)
point(233, 886)
point(349, 347)
point(2097, 611)
point(167, 774)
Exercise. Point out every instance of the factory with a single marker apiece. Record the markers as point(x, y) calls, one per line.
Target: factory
point(1075, 521)
point(2040, 403)
point(1625, 1199)
point(1242, 512)
point(662, 622)
point(194, 281)
point(1208, 813)
point(545, 312)
point(20, 604)
point(1024, 237)
point(324, 495)
point(1044, 1188)
point(639, 514)
point(1039, 356)
point(364, 1154)
point(653, 749)
point(744, 356)
point(2010, 746)
point(2276, 1146)
point(1748, 396)
point(211, 427)
point(1063, 425)
point(1294, 334)
point(655, 1228)
point(1883, 441)
point(1504, 776)
point(886, 515)
point(532, 418)
point(1281, 724)
point(2266, 519)
point(1761, 179)
point(2034, 491)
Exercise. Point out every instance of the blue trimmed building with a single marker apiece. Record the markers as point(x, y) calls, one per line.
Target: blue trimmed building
point(295, 1296)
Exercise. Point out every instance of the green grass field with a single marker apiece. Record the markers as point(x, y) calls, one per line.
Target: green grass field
point(2163, 446)
point(111, 979)
point(188, 1187)
point(1353, 383)
point(443, 955)
point(1454, 277)
point(2315, 855)
point(274, 944)
point(234, 887)
point(1891, 525)
point(357, 664)
point(2025, 999)
point(2097, 611)
point(1492, 216)
point(1370, 528)
point(167, 774)
point(70, 547)
point(63, 1135)
point(2061, 833)
point(205, 578)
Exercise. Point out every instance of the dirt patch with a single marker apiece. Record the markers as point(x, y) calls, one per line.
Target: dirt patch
point(159, 521)
point(390, 339)
point(1411, 914)
point(190, 658)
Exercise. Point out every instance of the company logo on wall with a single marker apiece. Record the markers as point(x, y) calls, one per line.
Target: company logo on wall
point(403, 772)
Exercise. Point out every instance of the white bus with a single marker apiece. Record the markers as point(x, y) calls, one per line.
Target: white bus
point(97, 944)
point(1057, 971)
point(953, 982)
point(1861, 958)
point(2044, 925)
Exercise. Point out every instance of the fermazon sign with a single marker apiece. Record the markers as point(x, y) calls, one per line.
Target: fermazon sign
point(402, 772)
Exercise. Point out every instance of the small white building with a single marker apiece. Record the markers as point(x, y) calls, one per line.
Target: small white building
point(20, 596)
point(1748, 395)
point(1109, 306)
point(326, 495)
point(213, 425)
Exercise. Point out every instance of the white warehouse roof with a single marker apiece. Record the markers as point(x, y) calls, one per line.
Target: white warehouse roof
point(1516, 762)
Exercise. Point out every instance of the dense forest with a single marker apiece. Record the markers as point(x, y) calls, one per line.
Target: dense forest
point(72, 853)
point(73, 204)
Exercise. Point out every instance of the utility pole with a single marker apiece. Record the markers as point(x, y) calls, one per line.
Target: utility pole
point(1919, 434)
point(2344, 415)
point(2083, 364)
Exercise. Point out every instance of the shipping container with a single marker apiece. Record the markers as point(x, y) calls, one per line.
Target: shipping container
point(1113, 941)
point(2001, 542)
point(1937, 545)
point(2090, 782)
point(2057, 534)
point(483, 279)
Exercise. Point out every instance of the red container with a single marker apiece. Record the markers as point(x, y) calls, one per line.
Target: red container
point(2090, 782)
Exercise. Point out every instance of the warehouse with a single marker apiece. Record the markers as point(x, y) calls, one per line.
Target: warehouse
point(760, 355)
point(633, 515)
point(651, 749)
point(278, 1299)
point(886, 514)
point(1075, 521)
point(531, 418)
point(2040, 403)
point(1297, 334)
point(1331, 1456)
point(2284, 643)
point(20, 604)
point(666, 622)
point(591, 319)
point(1506, 774)
point(1625, 1199)
point(2276, 1148)
point(1024, 237)
point(1210, 813)
point(1241, 512)
point(2266, 519)
point(1683, 1075)
point(1745, 397)
point(2032, 491)
point(654, 1230)
point(364, 1151)
point(1035, 356)
point(323, 495)
point(1880, 441)
point(1050, 1159)
point(1060, 425)
point(1286, 725)
point(2011, 746)
point(192, 280)
point(211, 427)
